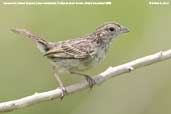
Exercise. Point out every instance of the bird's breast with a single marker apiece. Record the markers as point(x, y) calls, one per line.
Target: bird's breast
point(100, 53)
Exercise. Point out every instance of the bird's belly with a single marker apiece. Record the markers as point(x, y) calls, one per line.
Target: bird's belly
point(72, 64)
point(80, 64)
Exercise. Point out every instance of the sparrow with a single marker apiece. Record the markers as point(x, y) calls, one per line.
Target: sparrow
point(78, 54)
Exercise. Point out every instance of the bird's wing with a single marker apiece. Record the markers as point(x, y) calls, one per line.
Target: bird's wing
point(69, 51)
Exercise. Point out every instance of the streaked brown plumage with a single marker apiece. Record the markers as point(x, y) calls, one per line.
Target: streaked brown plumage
point(80, 53)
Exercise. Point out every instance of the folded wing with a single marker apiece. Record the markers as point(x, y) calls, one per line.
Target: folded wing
point(70, 50)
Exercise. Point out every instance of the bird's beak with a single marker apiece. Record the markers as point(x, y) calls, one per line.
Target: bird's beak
point(124, 29)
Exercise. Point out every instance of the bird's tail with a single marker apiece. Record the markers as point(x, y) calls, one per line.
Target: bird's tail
point(42, 44)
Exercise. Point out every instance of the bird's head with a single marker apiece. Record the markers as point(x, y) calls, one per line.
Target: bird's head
point(109, 31)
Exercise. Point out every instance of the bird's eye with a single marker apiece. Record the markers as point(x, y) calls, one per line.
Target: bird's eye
point(112, 29)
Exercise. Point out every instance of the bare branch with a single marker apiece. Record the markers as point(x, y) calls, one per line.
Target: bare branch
point(108, 73)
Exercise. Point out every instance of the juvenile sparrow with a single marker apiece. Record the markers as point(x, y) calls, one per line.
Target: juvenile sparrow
point(77, 54)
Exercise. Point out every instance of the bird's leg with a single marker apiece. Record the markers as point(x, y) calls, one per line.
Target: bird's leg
point(61, 85)
point(88, 78)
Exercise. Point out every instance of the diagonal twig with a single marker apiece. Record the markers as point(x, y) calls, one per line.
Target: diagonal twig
point(107, 74)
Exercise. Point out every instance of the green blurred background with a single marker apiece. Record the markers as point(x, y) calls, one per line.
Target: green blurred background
point(24, 71)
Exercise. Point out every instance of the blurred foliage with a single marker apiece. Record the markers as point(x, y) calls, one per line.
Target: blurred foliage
point(23, 70)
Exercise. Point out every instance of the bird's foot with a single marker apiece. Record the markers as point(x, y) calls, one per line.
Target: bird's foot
point(90, 81)
point(88, 78)
point(64, 92)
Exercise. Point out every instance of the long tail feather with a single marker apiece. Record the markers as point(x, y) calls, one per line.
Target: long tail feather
point(42, 44)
